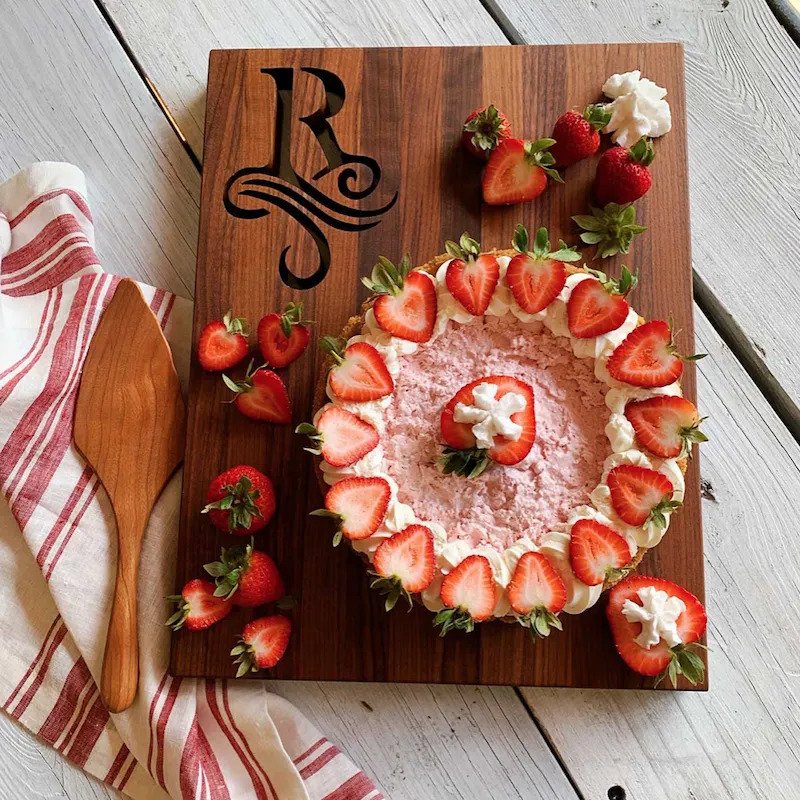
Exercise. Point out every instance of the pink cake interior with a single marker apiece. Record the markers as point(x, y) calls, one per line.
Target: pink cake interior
point(504, 503)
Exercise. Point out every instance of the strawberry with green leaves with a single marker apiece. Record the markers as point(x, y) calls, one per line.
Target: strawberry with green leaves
point(483, 129)
point(222, 343)
point(536, 276)
point(404, 564)
point(640, 495)
point(537, 594)
point(358, 506)
point(261, 395)
point(339, 436)
point(240, 501)
point(359, 373)
point(597, 553)
point(197, 607)
point(577, 134)
point(656, 625)
point(468, 595)
point(623, 175)
point(406, 303)
point(599, 306)
point(282, 338)
point(611, 227)
point(262, 644)
point(517, 171)
point(471, 276)
point(246, 577)
point(666, 425)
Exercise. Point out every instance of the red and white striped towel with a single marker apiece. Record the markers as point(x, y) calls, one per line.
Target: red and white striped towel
point(211, 740)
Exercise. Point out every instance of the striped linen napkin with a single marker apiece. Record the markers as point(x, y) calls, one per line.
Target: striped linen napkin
point(205, 739)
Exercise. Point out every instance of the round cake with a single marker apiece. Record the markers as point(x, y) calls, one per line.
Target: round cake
point(470, 416)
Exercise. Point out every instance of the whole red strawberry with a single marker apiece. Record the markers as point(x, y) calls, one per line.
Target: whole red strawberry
point(240, 501)
point(577, 134)
point(246, 577)
point(483, 129)
point(622, 175)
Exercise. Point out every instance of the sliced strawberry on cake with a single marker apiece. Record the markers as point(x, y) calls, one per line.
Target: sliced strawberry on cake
point(666, 425)
point(599, 306)
point(656, 625)
point(404, 564)
point(283, 338)
point(517, 171)
point(641, 495)
point(339, 436)
point(262, 644)
point(358, 505)
point(197, 606)
point(261, 395)
point(597, 553)
point(536, 276)
point(648, 357)
point(490, 419)
point(406, 304)
point(468, 594)
point(471, 276)
point(536, 594)
point(359, 373)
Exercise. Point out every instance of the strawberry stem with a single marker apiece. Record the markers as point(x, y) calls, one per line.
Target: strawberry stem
point(684, 661)
point(454, 619)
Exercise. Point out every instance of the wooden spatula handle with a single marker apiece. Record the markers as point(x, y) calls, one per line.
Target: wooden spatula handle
point(121, 661)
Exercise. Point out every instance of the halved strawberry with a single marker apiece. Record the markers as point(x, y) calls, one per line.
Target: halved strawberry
point(517, 171)
point(340, 437)
point(666, 425)
point(222, 343)
point(471, 276)
point(359, 373)
point(640, 495)
point(660, 659)
point(597, 553)
point(261, 395)
point(358, 505)
point(468, 592)
point(262, 644)
point(648, 357)
point(598, 306)
point(536, 594)
point(483, 129)
point(462, 455)
point(198, 607)
point(535, 277)
point(282, 338)
point(404, 564)
point(406, 303)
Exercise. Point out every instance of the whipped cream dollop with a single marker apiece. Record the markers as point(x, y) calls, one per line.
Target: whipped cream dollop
point(658, 615)
point(489, 416)
point(638, 108)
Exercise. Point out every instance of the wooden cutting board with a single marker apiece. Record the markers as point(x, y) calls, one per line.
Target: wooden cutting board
point(318, 161)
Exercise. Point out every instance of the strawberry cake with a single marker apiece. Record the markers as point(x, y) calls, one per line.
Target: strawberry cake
point(501, 435)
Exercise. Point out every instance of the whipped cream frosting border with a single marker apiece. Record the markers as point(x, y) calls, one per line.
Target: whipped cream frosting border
point(555, 543)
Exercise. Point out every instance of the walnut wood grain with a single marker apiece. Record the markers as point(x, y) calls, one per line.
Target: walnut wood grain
point(404, 107)
point(129, 422)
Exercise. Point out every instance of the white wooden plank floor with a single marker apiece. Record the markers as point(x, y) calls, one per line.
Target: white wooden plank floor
point(63, 74)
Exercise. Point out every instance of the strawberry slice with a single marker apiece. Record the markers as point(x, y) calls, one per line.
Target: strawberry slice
point(660, 659)
point(640, 495)
point(597, 553)
point(282, 338)
point(222, 343)
point(648, 357)
point(261, 395)
point(358, 505)
point(262, 644)
point(666, 425)
point(535, 277)
point(598, 306)
point(197, 606)
point(468, 592)
point(406, 304)
point(462, 456)
point(471, 276)
point(404, 564)
point(536, 594)
point(340, 437)
point(359, 373)
point(517, 171)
